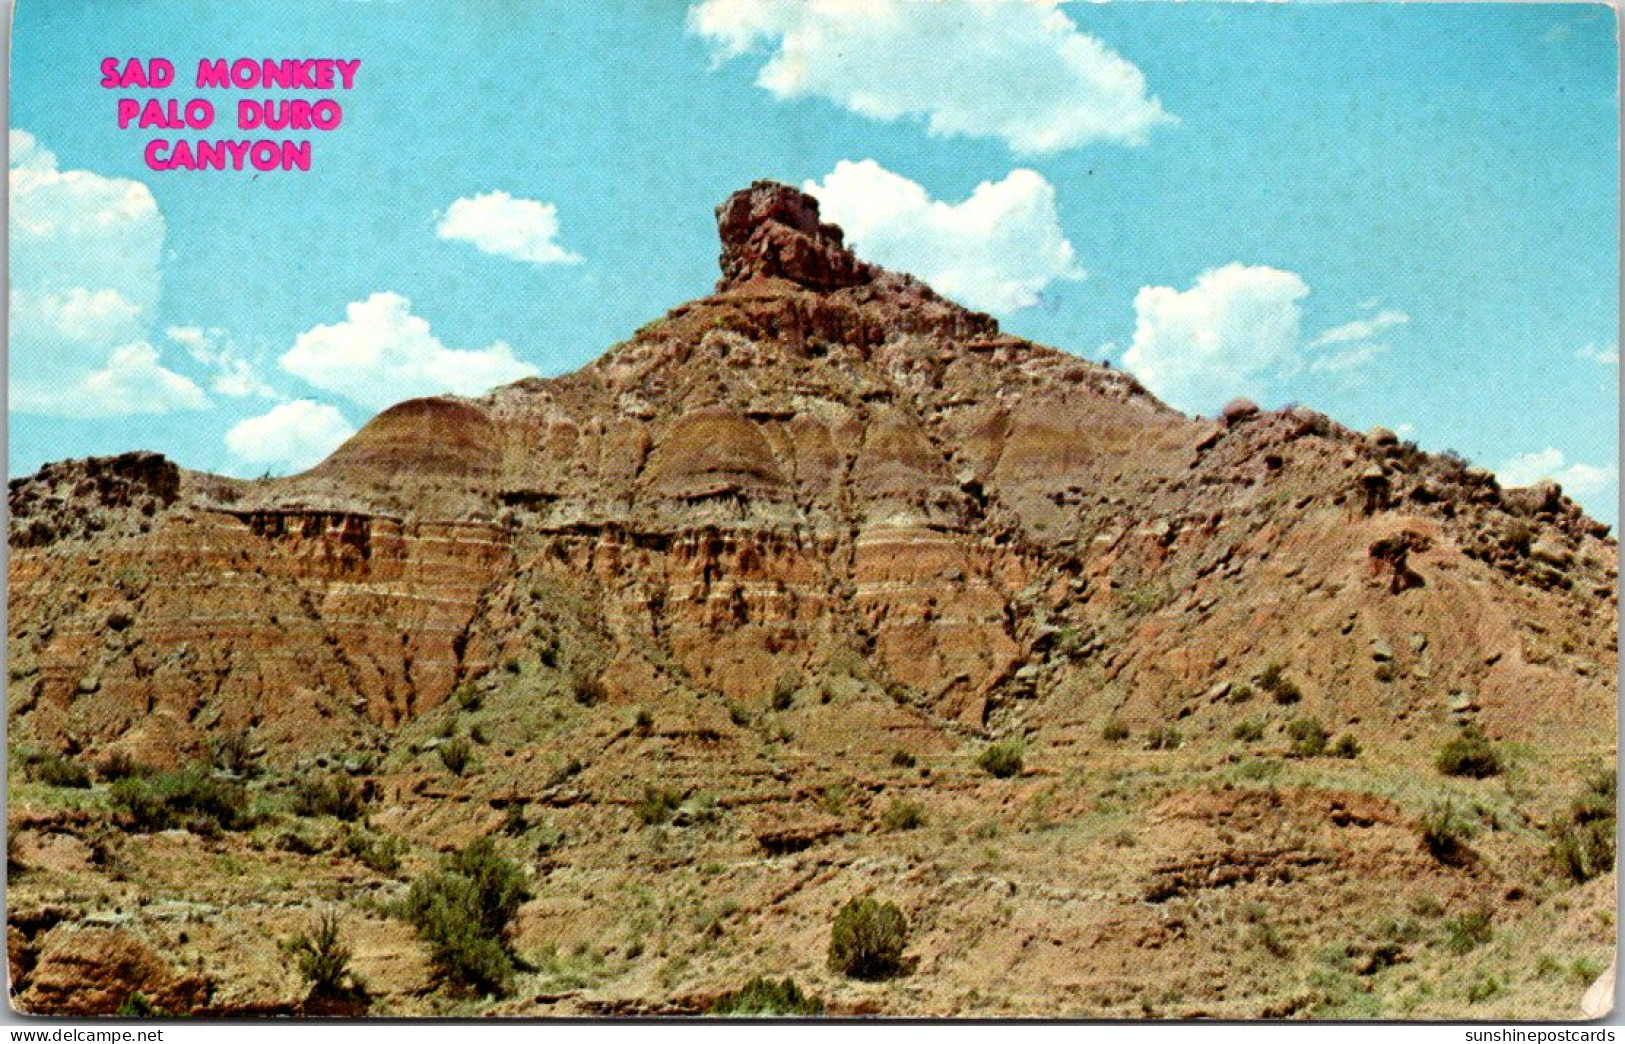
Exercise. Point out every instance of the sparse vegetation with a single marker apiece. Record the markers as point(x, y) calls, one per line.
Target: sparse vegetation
point(54, 770)
point(1274, 681)
point(1163, 737)
point(1468, 931)
point(657, 805)
point(234, 753)
point(323, 959)
point(379, 852)
point(189, 798)
point(1248, 730)
point(455, 755)
point(904, 815)
point(784, 690)
point(902, 759)
point(1241, 692)
point(1308, 737)
point(328, 794)
point(464, 911)
point(762, 996)
point(1114, 731)
point(1001, 760)
point(868, 939)
point(1584, 845)
point(1346, 747)
point(589, 690)
point(1469, 753)
point(1445, 832)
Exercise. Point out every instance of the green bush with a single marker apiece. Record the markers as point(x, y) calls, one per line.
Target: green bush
point(1163, 737)
point(784, 691)
point(1241, 692)
point(187, 797)
point(1469, 753)
point(1346, 747)
point(328, 794)
point(589, 690)
point(380, 852)
point(1446, 832)
point(657, 805)
point(234, 754)
point(323, 960)
point(116, 765)
point(762, 996)
point(464, 912)
point(868, 939)
point(1469, 931)
point(902, 759)
point(55, 770)
point(137, 1006)
point(1275, 682)
point(1308, 737)
point(1001, 760)
point(1114, 731)
point(904, 815)
point(1248, 730)
point(1584, 845)
point(455, 755)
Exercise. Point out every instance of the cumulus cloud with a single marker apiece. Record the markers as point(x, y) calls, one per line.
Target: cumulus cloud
point(132, 382)
point(1198, 347)
point(85, 253)
point(235, 375)
point(1018, 70)
point(292, 436)
point(1602, 355)
point(995, 250)
point(1578, 479)
point(497, 223)
point(381, 353)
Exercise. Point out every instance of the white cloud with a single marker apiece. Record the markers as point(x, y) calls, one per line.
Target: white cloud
point(85, 253)
point(132, 382)
point(1363, 329)
point(1606, 355)
point(1199, 347)
point(995, 250)
point(381, 353)
point(1018, 70)
point(235, 376)
point(1346, 359)
point(292, 436)
point(497, 223)
point(1578, 479)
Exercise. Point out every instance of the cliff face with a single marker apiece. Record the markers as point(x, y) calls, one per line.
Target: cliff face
point(796, 553)
point(821, 458)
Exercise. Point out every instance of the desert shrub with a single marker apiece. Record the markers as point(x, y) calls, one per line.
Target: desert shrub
point(1248, 730)
point(116, 765)
point(643, 721)
point(468, 698)
point(868, 939)
point(904, 815)
point(1469, 931)
point(234, 754)
point(902, 759)
point(1584, 844)
point(187, 797)
point(323, 960)
point(784, 690)
point(1241, 692)
point(1308, 737)
point(762, 996)
point(1346, 747)
point(1001, 760)
point(1469, 753)
point(1163, 737)
point(1445, 832)
point(739, 714)
point(380, 852)
point(456, 755)
point(328, 794)
point(55, 770)
point(1482, 988)
point(1114, 731)
point(1274, 681)
point(657, 805)
point(464, 911)
point(589, 690)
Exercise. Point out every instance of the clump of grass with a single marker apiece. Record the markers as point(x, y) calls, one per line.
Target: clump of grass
point(1469, 753)
point(1346, 747)
point(1584, 845)
point(1308, 737)
point(116, 765)
point(784, 690)
point(1445, 832)
point(589, 690)
point(1163, 737)
point(468, 698)
point(323, 960)
point(902, 759)
point(1248, 730)
point(1001, 760)
point(379, 852)
point(657, 805)
point(904, 815)
point(867, 940)
point(55, 770)
point(456, 755)
point(1468, 931)
point(234, 753)
point(328, 794)
point(1114, 731)
point(1274, 681)
point(762, 996)
point(1241, 692)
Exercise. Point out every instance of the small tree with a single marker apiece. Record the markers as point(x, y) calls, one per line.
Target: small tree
point(323, 959)
point(868, 939)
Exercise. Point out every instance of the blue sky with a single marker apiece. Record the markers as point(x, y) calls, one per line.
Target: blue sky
point(1399, 214)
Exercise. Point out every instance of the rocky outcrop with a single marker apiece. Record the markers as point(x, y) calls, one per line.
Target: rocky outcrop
point(95, 971)
point(772, 231)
